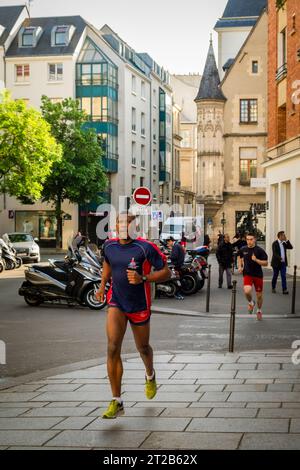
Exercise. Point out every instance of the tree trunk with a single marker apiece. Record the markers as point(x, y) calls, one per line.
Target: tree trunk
point(58, 214)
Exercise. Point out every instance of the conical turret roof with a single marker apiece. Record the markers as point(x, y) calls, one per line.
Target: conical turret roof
point(210, 83)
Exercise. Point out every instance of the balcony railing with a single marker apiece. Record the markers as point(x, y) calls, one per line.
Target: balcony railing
point(281, 72)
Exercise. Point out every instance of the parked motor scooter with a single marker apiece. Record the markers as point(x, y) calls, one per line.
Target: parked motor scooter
point(13, 251)
point(64, 282)
point(8, 255)
point(170, 287)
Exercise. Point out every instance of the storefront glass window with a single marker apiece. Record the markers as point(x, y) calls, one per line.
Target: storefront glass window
point(39, 224)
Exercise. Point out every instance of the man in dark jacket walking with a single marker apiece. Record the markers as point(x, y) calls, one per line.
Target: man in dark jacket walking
point(225, 259)
point(177, 257)
point(279, 261)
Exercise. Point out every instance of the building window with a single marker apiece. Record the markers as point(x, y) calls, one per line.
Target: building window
point(55, 72)
point(143, 130)
point(22, 73)
point(186, 139)
point(61, 36)
point(133, 84)
point(282, 55)
point(86, 106)
point(142, 181)
point(154, 130)
point(143, 89)
point(133, 120)
point(56, 100)
point(282, 47)
point(248, 165)
point(154, 160)
point(133, 183)
point(28, 37)
point(154, 98)
point(254, 66)
point(281, 124)
point(99, 108)
point(162, 100)
point(143, 162)
point(133, 153)
point(248, 111)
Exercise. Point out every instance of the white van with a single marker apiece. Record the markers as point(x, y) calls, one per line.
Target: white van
point(176, 227)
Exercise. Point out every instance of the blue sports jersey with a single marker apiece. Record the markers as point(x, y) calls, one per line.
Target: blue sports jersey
point(128, 297)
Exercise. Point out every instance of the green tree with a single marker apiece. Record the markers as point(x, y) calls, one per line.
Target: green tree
point(27, 149)
point(280, 3)
point(79, 176)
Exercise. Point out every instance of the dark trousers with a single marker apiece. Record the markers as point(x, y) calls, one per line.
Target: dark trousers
point(221, 275)
point(282, 271)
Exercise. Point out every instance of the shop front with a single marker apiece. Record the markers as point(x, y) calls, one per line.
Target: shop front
point(40, 224)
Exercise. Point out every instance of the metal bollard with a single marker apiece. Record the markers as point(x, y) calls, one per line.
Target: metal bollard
point(208, 289)
point(232, 317)
point(294, 291)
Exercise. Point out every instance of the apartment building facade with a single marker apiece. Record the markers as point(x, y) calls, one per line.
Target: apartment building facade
point(126, 96)
point(283, 154)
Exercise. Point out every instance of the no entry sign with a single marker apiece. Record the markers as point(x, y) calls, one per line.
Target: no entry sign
point(142, 196)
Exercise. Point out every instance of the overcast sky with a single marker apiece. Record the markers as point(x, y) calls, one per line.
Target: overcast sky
point(174, 32)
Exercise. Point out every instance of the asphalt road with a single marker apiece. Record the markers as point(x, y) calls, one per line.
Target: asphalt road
point(49, 336)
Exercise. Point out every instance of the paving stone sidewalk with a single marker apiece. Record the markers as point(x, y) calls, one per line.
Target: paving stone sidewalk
point(204, 401)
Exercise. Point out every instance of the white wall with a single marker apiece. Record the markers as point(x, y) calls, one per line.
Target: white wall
point(39, 83)
point(230, 42)
point(284, 205)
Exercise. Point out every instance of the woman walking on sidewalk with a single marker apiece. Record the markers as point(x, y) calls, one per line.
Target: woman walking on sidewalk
point(128, 263)
point(251, 260)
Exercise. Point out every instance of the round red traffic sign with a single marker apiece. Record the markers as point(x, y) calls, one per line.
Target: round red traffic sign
point(142, 196)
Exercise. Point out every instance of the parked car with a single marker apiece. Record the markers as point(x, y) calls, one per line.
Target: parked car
point(25, 246)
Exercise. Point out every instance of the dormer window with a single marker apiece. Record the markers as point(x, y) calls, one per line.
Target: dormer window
point(61, 35)
point(29, 36)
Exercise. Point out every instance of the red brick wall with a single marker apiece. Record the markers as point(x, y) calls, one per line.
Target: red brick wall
point(293, 44)
point(293, 67)
point(272, 67)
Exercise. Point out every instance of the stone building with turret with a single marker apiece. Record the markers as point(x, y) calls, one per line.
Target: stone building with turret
point(210, 103)
point(232, 134)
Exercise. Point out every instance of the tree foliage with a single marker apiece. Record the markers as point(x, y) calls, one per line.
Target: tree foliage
point(79, 176)
point(27, 149)
point(280, 3)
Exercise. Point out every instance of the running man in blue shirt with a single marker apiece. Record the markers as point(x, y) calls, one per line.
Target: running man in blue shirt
point(128, 263)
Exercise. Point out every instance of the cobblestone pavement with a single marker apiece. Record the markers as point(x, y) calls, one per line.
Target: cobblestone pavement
point(247, 400)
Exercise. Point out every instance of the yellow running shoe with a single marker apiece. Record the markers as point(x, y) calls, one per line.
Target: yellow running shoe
point(150, 388)
point(114, 410)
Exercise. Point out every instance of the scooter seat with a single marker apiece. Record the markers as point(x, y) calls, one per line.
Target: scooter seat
point(52, 272)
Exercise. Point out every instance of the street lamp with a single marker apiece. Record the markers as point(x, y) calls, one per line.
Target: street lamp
point(223, 222)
